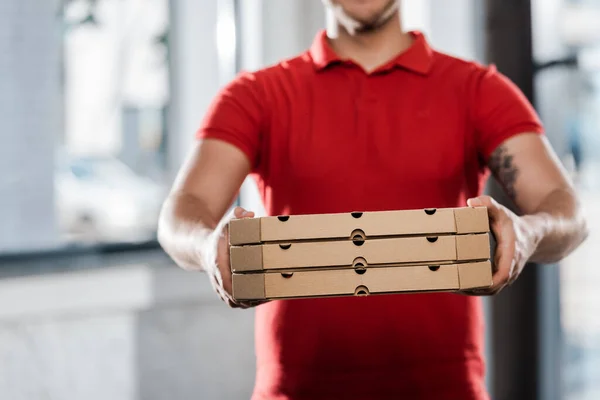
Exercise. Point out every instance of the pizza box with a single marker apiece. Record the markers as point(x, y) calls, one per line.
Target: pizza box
point(361, 282)
point(348, 253)
point(369, 224)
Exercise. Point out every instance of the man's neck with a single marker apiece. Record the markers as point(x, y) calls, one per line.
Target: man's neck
point(373, 49)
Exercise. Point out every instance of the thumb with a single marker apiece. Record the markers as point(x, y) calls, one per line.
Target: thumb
point(494, 209)
point(476, 202)
point(482, 201)
point(240, 212)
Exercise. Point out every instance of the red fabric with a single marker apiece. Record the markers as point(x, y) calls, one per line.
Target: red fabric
point(323, 136)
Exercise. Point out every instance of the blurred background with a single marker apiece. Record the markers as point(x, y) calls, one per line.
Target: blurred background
point(99, 103)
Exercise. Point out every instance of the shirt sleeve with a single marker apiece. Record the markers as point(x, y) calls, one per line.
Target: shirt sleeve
point(499, 110)
point(236, 116)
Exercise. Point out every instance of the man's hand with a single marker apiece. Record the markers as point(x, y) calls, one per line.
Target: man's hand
point(516, 242)
point(220, 273)
point(193, 227)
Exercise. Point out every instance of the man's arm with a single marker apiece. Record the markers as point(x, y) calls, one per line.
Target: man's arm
point(192, 227)
point(508, 135)
point(551, 224)
point(531, 174)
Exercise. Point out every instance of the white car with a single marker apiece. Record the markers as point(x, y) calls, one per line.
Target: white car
point(103, 200)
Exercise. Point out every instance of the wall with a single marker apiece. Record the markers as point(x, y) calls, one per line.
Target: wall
point(548, 45)
point(31, 114)
point(452, 27)
point(127, 332)
point(124, 332)
point(194, 71)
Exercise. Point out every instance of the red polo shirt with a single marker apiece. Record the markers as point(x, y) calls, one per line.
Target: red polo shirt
point(324, 136)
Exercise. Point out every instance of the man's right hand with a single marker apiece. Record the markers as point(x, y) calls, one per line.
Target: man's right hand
point(220, 275)
point(193, 228)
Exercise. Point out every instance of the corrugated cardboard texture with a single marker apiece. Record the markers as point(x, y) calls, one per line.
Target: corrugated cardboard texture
point(373, 224)
point(346, 282)
point(248, 286)
point(475, 276)
point(246, 258)
point(244, 230)
point(375, 280)
point(322, 283)
point(473, 247)
point(342, 253)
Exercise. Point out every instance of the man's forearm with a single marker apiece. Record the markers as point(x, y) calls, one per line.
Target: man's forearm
point(187, 232)
point(558, 226)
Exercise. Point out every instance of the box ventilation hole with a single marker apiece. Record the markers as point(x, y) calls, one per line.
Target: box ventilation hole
point(283, 218)
point(287, 275)
point(359, 262)
point(357, 214)
point(432, 239)
point(361, 291)
point(285, 246)
point(430, 211)
point(434, 268)
point(358, 237)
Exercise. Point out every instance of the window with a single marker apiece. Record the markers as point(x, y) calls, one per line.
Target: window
point(567, 32)
point(86, 92)
point(580, 279)
point(99, 103)
point(109, 181)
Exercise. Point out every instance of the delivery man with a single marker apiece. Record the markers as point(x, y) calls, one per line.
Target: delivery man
point(371, 118)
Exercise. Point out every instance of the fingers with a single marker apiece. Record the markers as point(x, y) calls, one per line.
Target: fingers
point(503, 259)
point(505, 270)
point(224, 293)
point(226, 283)
point(475, 202)
point(495, 209)
point(481, 201)
point(221, 277)
point(240, 212)
point(503, 230)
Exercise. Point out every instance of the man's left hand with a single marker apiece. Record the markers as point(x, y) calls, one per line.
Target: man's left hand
point(515, 243)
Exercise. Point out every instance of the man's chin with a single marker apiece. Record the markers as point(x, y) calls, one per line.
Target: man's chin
point(373, 22)
point(369, 28)
point(366, 21)
point(371, 25)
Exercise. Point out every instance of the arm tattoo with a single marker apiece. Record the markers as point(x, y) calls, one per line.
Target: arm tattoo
point(501, 165)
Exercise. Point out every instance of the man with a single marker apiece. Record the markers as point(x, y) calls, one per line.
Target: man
point(371, 118)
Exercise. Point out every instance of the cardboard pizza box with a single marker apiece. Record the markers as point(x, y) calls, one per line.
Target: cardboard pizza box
point(348, 253)
point(371, 224)
point(349, 282)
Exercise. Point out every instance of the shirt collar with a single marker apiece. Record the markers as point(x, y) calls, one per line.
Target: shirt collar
point(417, 58)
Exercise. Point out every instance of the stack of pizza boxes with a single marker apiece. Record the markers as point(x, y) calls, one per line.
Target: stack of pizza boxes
point(358, 254)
